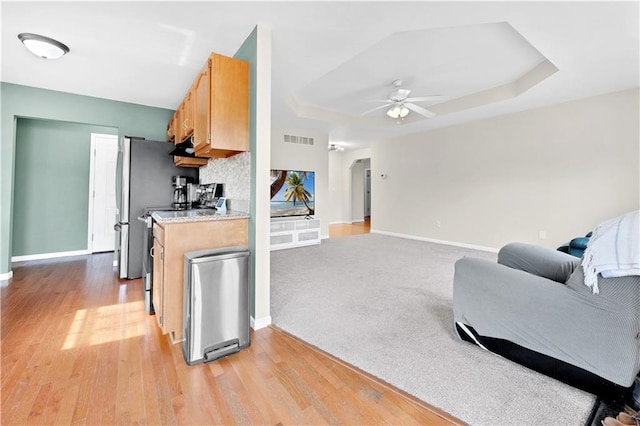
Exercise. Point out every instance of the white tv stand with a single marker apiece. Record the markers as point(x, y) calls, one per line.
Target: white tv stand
point(289, 232)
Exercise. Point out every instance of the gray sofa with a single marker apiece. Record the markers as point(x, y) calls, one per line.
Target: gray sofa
point(532, 307)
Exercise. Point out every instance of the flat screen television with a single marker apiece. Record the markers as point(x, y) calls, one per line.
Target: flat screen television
point(292, 193)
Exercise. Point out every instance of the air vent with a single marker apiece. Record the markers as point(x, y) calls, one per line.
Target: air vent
point(302, 140)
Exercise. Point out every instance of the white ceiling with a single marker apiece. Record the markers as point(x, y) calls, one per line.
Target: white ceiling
point(328, 58)
point(453, 61)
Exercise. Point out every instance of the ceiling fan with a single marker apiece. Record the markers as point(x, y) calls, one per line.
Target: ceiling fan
point(399, 103)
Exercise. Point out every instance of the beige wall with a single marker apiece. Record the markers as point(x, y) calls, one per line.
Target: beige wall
point(336, 212)
point(315, 158)
point(560, 169)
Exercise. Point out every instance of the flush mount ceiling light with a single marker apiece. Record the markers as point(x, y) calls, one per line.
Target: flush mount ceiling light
point(42, 46)
point(398, 111)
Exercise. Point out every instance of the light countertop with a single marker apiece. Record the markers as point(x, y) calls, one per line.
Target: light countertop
point(195, 215)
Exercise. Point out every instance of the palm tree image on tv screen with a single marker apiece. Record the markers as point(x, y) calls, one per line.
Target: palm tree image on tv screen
point(292, 193)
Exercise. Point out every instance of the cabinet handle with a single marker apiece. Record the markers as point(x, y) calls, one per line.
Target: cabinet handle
point(151, 251)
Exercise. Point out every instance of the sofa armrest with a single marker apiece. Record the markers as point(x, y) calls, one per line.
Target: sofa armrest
point(485, 288)
point(537, 260)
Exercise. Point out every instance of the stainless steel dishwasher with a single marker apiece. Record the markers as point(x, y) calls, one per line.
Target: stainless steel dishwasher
point(216, 303)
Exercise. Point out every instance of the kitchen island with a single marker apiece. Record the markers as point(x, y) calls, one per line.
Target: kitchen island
point(174, 234)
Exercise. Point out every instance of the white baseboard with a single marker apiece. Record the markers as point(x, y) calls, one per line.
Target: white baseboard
point(324, 237)
point(340, 222)
point(49, 255)
point(7, 276)
point(433, 240)
point(260, 322)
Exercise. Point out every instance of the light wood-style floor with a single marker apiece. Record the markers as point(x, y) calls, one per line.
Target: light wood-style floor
point(348, 229)
point(78, 348)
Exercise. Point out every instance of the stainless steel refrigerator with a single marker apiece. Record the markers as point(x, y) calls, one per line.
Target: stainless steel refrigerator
point(143, 179)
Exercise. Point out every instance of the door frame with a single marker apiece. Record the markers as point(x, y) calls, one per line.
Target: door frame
point(365, 192)
point(92, 159)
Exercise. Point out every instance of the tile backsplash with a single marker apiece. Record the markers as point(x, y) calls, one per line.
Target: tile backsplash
point(235, 173)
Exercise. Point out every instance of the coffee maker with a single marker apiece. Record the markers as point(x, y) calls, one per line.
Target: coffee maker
point(180, 191)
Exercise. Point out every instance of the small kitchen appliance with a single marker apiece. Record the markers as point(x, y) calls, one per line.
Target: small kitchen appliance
point(207, 194)
point(192, 195)
point(180, 191)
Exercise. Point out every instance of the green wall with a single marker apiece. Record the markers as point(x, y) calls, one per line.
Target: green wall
point(51, 186)
point(249, 52)
point(30, 102)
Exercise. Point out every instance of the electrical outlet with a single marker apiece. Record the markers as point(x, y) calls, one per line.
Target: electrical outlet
point(542, 235)
point(438, 224)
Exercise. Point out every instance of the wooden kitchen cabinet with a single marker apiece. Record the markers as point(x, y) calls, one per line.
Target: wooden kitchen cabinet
point(183, 122)
point(201, 96)
point(215, 112)
point(171, 132)
point(186, 117)
point(221, 107)
point(158, 273)
point(183, 119)
point(179, 128)
point(189, 161)
point(174, 240)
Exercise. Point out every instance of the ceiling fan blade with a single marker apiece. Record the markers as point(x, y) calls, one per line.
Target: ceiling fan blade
point(428, 98)
point(386, 105)
point(420, 110)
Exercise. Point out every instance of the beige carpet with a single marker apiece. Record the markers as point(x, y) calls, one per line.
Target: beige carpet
point(384, 304)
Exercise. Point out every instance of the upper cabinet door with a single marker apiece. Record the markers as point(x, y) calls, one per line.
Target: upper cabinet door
point(201, 93)
point(229, 113)
point(171, 133)
point(187, 115)
point(178, 128)
point(183, 119)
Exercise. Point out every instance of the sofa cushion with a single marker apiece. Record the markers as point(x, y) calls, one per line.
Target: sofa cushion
point(576, 282)
point(579, 243)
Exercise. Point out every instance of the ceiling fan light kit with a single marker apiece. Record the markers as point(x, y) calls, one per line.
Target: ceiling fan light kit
point(398, 111)
point(43, 47)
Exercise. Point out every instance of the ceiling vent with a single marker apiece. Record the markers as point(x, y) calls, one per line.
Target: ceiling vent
point(302, 140)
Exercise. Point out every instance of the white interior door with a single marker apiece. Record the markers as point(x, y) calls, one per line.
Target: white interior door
point(102, 193)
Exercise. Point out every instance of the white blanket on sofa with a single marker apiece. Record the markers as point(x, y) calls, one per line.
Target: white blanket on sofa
point(613, 250)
